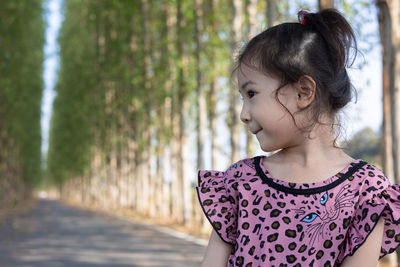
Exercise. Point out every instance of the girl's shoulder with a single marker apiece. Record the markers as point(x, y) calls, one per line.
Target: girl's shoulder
point(373, 176)
point(237, 169)
point(247, 164)
point(240, 170)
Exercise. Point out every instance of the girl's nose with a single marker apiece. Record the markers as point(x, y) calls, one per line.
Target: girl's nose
point(244, 114)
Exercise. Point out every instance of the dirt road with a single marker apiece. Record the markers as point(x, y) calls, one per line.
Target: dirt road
point(54, 234)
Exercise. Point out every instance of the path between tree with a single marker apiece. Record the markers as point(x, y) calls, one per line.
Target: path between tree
point(55, 234)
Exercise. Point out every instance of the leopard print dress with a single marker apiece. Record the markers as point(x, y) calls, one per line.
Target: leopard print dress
point(270, 222)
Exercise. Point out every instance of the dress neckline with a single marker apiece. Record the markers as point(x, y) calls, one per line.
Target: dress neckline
point(307, 188)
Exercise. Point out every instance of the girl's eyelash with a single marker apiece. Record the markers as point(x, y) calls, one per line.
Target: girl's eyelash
point(249, 92)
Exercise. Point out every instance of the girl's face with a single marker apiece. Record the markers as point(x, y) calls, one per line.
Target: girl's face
point(263, 114)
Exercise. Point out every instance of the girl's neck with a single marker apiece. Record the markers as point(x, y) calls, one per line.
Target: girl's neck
point(307, 152)
point(294, 169)
point(313, 160)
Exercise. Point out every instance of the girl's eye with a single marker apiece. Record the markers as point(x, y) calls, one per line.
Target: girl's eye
point(251, 93)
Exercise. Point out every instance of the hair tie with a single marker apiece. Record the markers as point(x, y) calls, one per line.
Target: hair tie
point(301, 16)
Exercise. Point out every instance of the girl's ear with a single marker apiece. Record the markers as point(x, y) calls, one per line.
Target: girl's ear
point(305, 90)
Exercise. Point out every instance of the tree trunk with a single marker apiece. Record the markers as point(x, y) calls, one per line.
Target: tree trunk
point(272, 13)
point(183, 104)
point(212, 115)
point(95, 168)
point(132, 182)
point(159, 177)
point(201, 98)
point(169, 203)
point(112, 162)
point(201, 101)
point(389, 24)
point(113, 170)
point(234, 105)
point(147, 176)
point(186, 185)
point(176, 117)
point(118, 172)
point(210, 10)
point(175, 187)
point(385, 33)
point(152, 179)
point(322, 4)
point(395, 16)
point(252, 31)
point(252, 18)
point(124, 176)
point(390, 38)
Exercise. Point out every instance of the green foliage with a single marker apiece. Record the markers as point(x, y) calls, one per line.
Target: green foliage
point(77, 100)
point(359, 15)
point(21, 85)
point(365, 144)
point(100, 81)
point(111, 85)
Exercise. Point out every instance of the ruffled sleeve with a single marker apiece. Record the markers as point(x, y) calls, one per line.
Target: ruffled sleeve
point(218, 203)
point(378, 198)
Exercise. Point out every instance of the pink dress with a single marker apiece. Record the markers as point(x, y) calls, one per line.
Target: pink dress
point(270, 222)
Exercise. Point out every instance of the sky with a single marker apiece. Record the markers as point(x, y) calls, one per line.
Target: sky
point(366, 112)
point(53, 18)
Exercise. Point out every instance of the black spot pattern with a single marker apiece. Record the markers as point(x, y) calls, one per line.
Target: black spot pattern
point(273, 222)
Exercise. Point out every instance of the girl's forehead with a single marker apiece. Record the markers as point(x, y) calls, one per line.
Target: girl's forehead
point(246, 72)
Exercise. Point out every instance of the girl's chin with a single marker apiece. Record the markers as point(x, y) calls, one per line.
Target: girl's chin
point(264, 145)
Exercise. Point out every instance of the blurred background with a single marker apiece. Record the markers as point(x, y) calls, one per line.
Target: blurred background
point(115, 105)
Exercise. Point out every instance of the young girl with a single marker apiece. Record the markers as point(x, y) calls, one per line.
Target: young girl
point(309, 204)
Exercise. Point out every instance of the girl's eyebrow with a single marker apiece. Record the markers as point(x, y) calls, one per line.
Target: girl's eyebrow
point(245, 84)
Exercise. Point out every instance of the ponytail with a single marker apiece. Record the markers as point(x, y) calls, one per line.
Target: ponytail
point(337, 34)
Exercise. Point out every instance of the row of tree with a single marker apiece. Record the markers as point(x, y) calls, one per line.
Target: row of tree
point(130, 75)
point(21, 86)
point(135, 76)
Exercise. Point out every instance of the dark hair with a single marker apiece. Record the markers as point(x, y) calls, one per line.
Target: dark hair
point(319, 48)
